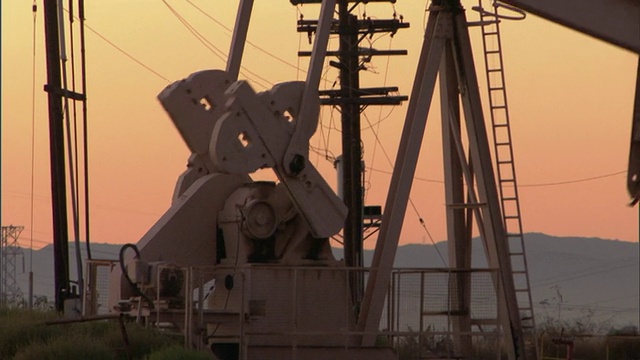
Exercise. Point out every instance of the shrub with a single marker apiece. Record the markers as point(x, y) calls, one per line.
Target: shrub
point(19, 327)
point(142, 341)
point(74, 347)
point(25, 335)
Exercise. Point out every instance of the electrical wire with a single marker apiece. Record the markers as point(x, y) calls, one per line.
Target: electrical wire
point(586, 274)
point(328, 155)
point(75, 112)
point(34, 8)
point(45, 243)
point(415, 209)
point(377, 129)
point(215, 50)
point(424, 226)
point(125, 53)
point(259, 48)
point(297, 67)
point(566, 182)
point(85, 134)
point(94, 204)
point(373, 124)
point(613, 299)
point(415, 177)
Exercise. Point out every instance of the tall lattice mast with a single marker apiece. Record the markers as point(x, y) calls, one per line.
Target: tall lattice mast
point(10, 251)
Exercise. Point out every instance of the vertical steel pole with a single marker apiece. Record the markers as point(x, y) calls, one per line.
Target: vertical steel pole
point(56, 146)
point(459, 243)
point(495, 239)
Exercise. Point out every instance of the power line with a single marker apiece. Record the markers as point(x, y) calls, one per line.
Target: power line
point(384, 84)
point(34, 7)
point(415, 178)
point(44, 242)
point(259, 48)
point(127, 54)
point(98, 205)
point(570, 307)
point(247, 41)
point(216, 51)
point(614, 299)
point(415, 209)
point(209, 45)
point(573, 181)
point(587, 274)
point(566, 182)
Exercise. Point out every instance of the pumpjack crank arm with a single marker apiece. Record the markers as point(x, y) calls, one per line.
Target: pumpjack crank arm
point(254, 133)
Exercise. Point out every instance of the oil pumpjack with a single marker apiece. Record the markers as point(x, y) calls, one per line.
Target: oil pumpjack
point(268, 242)
point(276, 290)
point(273, 238)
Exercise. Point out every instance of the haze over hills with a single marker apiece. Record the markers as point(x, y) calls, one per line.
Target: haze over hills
point(570, 277)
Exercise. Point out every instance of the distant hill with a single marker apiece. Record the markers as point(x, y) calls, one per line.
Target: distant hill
point(570, 277)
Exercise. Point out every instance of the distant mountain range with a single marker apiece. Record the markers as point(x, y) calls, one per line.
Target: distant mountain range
point(571, 278)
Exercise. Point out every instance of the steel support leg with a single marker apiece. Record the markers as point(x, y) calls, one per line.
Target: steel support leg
point(447, 34)
point(404, 171)
point(459, 243)
point(495, 240)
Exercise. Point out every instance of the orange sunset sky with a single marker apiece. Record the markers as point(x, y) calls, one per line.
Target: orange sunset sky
point(570, 99)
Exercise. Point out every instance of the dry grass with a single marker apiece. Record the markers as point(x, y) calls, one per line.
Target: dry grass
point(25, 336)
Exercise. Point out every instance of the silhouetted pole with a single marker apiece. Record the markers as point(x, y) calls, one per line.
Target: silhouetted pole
point(351, 139)
point(56, 147)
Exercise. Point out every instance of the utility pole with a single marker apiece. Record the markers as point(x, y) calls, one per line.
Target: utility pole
point(57, 160)
point(352, 100)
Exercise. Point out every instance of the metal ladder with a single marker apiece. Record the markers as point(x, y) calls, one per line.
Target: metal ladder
point(490, 25)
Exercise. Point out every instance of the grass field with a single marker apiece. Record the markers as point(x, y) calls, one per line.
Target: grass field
point(24, 335)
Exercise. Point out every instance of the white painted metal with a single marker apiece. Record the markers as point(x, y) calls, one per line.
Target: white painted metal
point(299, 144)
point(239, 38)
point(311, 195)
point(195, 105)
point(232, 131)
point(186, 230)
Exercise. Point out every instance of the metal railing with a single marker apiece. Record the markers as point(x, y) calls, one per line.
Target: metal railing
point(295, 308)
